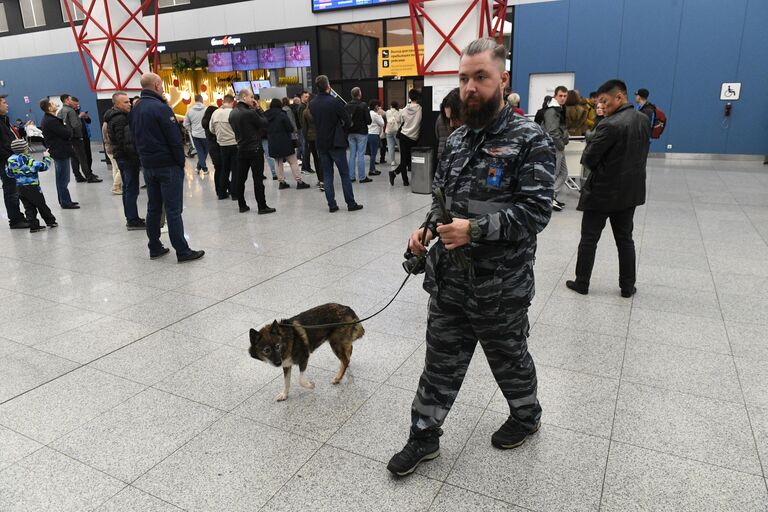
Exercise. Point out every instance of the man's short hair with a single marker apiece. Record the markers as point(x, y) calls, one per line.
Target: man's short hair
point(643, 93)
point(322, 83)
point(64, 97)
point(561, 88)
point(198, 98)
point(593, 94)
point(228, 98)
point(486, 44)
point(613, 86)
point(115, 96)
point(514, 99)
point(73, 98)
point(45, 104)
point(244, 93)
point(357, 93)
point(414, 95)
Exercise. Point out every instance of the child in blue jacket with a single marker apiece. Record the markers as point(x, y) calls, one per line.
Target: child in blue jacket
point(24, 169)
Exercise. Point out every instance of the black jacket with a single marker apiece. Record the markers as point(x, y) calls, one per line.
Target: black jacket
point(57, 137)
point(249, 125)
point(331, 121)
point(156, 134)
point(617, 155)
point(279, 130)
point(6, 137)
point(120, 135)
point(360, 115)
point(206, 122)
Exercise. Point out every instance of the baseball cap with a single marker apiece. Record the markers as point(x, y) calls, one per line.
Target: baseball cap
point(643, 93)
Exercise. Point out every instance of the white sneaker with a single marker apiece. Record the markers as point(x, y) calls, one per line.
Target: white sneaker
point(164, 229)
point(393, 163)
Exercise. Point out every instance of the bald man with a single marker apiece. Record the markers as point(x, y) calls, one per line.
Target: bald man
point(158, 142)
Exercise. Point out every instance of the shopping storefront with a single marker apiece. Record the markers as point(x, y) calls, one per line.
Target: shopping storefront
point(274, 64)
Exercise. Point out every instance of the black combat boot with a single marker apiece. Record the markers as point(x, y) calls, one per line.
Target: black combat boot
point(417, 450)
point(511, 435)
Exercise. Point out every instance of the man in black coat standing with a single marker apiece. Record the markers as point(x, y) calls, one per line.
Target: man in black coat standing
point(331, 120)
point(124, 151)
point(10, 192)
point(249, 125)
point(617, 156)
point(58, 140)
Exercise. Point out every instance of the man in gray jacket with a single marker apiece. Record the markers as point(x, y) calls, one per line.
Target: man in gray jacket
point(554, 125)
point(193, 123)
point(69, 116)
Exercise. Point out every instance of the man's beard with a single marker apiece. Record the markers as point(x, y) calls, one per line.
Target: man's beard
point(481, 115)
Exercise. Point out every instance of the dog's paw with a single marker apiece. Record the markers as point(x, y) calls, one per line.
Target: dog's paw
point(307, 384)
point(281, 397)
point(335, 380)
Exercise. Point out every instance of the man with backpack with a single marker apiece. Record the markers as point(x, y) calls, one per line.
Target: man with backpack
point(657, 117)
point(554, 124)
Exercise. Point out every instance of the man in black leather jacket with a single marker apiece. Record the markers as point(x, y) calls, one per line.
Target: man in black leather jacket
point(127, 159)
point(249, 125)
point(617, 155)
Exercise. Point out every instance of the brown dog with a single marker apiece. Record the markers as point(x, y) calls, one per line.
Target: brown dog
point(287, 342)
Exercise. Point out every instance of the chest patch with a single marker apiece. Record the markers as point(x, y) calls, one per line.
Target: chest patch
point(495, 175)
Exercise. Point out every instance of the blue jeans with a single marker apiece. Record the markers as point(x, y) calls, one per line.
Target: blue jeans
point(373, 149)
point(62, 181)
point(328, 158)
point(357, 143)
point(165, 188)
point(391, 145)
point(300, 149)
point(201, 146)
point(270, 160)
point(129, 173)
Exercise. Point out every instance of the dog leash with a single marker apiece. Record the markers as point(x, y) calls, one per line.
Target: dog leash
point(408, 276)
point(340, 324)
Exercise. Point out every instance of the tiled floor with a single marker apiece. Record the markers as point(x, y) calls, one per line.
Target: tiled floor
point(125, 384)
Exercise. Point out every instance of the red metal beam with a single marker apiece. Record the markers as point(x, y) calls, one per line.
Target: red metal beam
point(487, 28)
point(111, 36)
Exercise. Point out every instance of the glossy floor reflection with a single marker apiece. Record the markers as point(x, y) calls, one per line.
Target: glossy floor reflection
point(125, 384)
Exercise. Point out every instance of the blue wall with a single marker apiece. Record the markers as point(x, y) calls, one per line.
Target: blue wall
point(680, 50)
point(51, 75)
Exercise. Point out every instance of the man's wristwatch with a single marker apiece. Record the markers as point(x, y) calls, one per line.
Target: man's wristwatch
point(475, 233)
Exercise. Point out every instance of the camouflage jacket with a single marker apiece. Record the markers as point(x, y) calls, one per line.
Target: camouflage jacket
point(501, 178)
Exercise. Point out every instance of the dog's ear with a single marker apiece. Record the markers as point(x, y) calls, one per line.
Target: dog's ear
point(254, 336)
point(275, 326)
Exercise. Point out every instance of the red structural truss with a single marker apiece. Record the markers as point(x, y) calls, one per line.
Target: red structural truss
point(489, 27)
point(93, 31)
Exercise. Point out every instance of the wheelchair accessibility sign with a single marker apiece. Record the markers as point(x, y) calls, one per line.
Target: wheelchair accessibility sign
point(730, 92)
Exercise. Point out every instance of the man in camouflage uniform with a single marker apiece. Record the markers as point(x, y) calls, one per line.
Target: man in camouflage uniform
point(497, 174)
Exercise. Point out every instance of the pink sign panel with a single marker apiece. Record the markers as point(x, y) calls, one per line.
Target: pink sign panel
point(272, 58)
point(245, 60)
point(219, 62)
point(297, 56)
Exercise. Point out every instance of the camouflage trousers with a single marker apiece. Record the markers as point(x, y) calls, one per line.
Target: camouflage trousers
point(454, 327)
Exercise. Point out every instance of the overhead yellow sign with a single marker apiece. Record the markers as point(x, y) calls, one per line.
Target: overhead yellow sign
point(398, 60)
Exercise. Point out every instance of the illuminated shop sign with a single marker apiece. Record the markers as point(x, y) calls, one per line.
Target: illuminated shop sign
point(225, 41)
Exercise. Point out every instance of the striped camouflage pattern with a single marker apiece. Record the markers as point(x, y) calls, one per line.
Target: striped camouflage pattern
point(502, 179)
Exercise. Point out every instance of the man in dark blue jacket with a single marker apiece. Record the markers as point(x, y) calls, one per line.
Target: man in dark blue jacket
point(330, 121)
point(157, 139)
